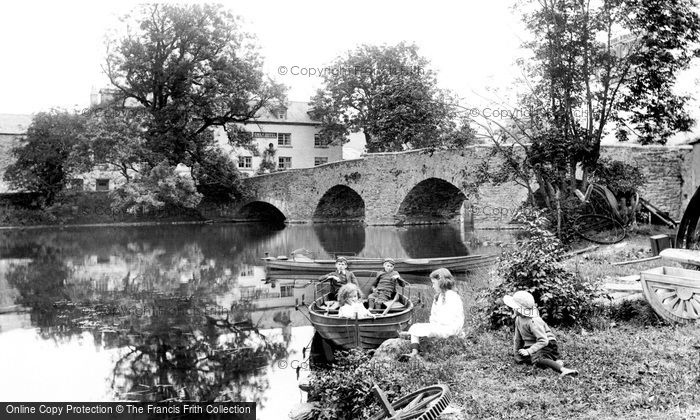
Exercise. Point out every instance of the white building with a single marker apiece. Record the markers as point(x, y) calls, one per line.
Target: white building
point(292, 134)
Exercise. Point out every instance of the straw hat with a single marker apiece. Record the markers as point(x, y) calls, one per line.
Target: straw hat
point(522, 302)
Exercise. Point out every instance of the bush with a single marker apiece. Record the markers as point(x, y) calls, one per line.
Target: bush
point(635, 312)
point(534, 265)
point(621, 178)
point(345, 390)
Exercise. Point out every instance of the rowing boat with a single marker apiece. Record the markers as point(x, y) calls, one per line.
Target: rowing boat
point(366, 333)
point(402, 265)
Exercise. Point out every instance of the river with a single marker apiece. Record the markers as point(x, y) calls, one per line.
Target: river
point(148, 313)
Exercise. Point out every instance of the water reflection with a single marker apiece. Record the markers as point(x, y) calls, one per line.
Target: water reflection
point(181, 312)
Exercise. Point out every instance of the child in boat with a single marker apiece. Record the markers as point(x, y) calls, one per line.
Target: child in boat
point(340, 277)
point(446, 314)
point(350, 300)
point(533, 340)
point(384, 286)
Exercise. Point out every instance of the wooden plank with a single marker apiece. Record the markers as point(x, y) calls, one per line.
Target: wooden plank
point(624, 287)
point(629, 279)
point(637, 261)
point(683, 256)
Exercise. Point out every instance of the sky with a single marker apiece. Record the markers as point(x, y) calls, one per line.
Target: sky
point(53, 50)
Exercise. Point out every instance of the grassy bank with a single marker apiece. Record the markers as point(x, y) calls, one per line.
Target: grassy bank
point(626, 372)
point(631, 363)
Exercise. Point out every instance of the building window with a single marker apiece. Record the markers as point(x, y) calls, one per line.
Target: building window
point(320, 160)
point(102, 184)
point(287, 290)
point(245, 162)
point(282, 114)
point(320, 141)
point(284, 163)
point(76, 184)
point(284, 139)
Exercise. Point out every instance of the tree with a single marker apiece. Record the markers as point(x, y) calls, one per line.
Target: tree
point(580, 80)
point(47, 157)
point(160, 187)
point(115, 136)
point(390, 94)
point(191, 68)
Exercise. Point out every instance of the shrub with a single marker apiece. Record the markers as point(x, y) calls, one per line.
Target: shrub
point(621, 178)
point(345, 390)
point(534, 265)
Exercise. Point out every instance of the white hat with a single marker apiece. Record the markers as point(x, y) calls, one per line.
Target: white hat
point(522, 302)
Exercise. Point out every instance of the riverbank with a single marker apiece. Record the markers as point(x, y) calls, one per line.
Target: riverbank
point(632, 364)
point(626, 371)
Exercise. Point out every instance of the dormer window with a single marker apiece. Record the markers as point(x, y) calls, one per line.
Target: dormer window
point(282, 114)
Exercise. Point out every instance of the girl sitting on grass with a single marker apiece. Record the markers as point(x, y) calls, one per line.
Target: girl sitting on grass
point(446, 314)
point(533, 341)
point(350, 300)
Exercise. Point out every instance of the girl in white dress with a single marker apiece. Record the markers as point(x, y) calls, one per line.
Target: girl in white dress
point(350, 300)
point(446, 314)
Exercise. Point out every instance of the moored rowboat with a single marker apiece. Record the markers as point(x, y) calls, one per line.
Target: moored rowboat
point(402, 265)
point(366, 333)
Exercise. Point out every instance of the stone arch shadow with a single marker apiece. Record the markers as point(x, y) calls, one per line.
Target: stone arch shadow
point(340, 203)
point(432, 200)
point(261, 211)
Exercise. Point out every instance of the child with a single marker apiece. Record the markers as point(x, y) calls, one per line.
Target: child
point(446, 314)
point(350, 300)
point(338, 278)
point(534, 342)
point(384, 286)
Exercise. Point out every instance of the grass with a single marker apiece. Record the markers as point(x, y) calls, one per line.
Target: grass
point(632, 365)
point(626, 372)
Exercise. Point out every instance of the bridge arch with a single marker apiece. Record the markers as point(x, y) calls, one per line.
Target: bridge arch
point(340, 202)
point(431, 200)
point(261, 211)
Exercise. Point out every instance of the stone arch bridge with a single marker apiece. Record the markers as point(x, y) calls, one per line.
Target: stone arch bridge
point(411, 187)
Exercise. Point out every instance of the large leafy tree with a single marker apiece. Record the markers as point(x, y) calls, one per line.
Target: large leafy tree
point(190, 68)
point(48, 155)
point(391, 95)
point(584, 78)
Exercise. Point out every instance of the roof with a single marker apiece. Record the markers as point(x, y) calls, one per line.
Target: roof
point(297, 112)
point(14, 123)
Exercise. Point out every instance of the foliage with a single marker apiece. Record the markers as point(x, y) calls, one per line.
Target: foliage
point(116, 135)
point(47, 157)
point(268, 163)
point(345, 390)
point(620, 177)
point(582, 78)
point(390, 94)
point(534, 265)
point(161, 186)
point(217, 177)
point(191, 68)
point(342, 392)
point(666, 40)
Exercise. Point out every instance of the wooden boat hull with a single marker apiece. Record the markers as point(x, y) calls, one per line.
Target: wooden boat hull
point(674, 293)
point(409, 265)
point(365, 333)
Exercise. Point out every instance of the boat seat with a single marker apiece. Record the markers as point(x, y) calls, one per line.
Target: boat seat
point(396, 306)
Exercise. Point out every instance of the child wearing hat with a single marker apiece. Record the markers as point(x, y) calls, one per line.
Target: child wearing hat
point(341, 276)
point(533, 341)
point(384, 286)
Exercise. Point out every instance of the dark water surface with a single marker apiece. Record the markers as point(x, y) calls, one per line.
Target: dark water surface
point(150, 313)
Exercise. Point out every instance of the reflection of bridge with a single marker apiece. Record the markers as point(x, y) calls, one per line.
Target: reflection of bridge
point(388, 188)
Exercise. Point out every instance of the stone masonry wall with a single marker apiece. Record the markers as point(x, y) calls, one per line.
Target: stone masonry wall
point(668, 172)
